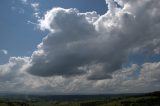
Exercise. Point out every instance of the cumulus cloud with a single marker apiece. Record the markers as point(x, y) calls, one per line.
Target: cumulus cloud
point(64, 50)
point(85, 52)
point(136, 78)
point(13, 67)
point(75, 43)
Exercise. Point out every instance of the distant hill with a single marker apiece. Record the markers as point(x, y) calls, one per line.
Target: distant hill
point(140, 99)
point(67, 97)
point(156, 93)
point(16, 96)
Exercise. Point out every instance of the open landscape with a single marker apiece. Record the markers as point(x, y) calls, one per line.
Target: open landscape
point(146, 99)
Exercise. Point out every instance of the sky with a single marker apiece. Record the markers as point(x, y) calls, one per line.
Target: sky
point(79, 46)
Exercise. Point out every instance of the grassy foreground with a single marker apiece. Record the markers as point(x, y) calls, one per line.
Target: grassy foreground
point(152, 99)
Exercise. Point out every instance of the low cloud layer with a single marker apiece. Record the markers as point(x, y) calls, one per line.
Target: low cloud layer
point(84, 52)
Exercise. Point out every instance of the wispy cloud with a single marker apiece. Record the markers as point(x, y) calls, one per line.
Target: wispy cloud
point(36, 9)
point(17, 9)
point(4, 51)
point(35, 6)
point(24, 1)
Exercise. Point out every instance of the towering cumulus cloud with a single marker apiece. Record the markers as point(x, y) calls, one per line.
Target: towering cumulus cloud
point(87, 49)
point(79, 43)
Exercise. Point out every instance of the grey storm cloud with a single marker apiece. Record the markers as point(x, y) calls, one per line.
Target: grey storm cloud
point(78, 41)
